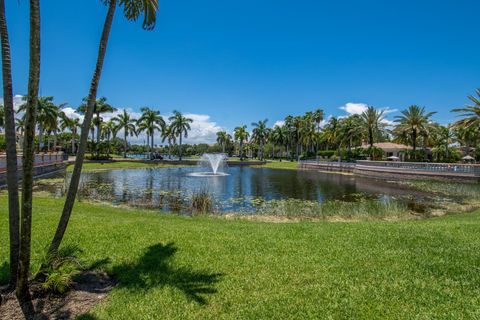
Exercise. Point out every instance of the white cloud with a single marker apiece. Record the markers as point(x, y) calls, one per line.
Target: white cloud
point(354, 108)
point(279, 123)
point(204, 130)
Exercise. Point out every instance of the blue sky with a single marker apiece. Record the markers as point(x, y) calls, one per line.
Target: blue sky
point(236, 62)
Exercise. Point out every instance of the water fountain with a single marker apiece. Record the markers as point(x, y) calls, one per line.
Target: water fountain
point(214, 162)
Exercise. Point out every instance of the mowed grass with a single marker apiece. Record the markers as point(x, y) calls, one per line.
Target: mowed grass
point(286, 164)
point(173, 267)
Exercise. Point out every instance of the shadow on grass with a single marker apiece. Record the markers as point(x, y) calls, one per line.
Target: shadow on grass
point(154, 269)
point(4, 273)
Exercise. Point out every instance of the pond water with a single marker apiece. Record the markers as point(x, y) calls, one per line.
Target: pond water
point(239, 191)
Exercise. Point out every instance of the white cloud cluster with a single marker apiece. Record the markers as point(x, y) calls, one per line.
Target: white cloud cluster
point(354, 108)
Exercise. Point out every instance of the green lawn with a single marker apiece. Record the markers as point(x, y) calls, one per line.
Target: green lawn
point(172, 267)
point(291, 165)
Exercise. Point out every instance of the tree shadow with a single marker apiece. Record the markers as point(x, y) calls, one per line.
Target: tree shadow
point(4, 273)
point(154, 269)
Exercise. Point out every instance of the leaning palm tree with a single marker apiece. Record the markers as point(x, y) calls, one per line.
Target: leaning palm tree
point(260, 133)
point(127, 124)
point(180, 126)
point(132, 10)
point(413, 121)
point(7, 120)
point(241, 135)
point(150, 121)
point(223, 138)
point(372, 123)
point(470, 113)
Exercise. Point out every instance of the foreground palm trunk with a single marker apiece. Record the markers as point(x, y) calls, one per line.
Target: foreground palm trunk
point(92, 96)
point(23, 293)
point(12, 176)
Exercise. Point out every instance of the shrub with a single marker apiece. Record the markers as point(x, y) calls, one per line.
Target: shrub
point(59, 269)
point(326, 153)
point(202, 202)
point(3, 144)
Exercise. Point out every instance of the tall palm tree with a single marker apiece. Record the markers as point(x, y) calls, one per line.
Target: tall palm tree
point(46, 118)
point(71, 124)
point(127, 124)
point(7, 120)
point(169, 135)
point(2, 117)
point(372, 123)
point(260, 133)
point(151, 121)
point(470, 113)
point(350, 131)
point(132, 10)
point(413, 121)
point(223, 138)
point(22, 285)
point(101, 106)
point(278, 138)
point(109, 131)
point(180, 126)
point(241, 135)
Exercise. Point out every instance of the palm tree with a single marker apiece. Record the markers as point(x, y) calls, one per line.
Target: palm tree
point(350, 131)
point(151, 121)
point(372, 123)
point(71, 124)
point(109, 131)
point(241, 135)
point(413, 121)
point(2, 117)
point(180, 126)
point(132, 10)
point(127, 124)
point(169, 135)
point(47, 116)
point(260, 133)
point(22, 286)
point(278, 137)
point(7, 120)
point(101, 106)
point(223, 138)
point(470, 113)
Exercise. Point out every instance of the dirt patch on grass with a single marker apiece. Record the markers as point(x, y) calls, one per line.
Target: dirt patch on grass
point(89, 289)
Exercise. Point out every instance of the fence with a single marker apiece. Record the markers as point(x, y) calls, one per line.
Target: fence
point(453, 168)
point(41, 159)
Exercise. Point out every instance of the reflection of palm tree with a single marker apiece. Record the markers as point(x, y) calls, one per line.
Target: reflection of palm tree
point(127, 124)
point(180, 126)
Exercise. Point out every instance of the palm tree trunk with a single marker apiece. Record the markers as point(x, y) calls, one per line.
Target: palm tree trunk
point(22, 290)
point(151, 149)
point(12, 174)
point(223, 147)
point(180, 150)
point(73, 141)
point(241, 150)
point(125, 143)
point(77, 170)
point(40, 137)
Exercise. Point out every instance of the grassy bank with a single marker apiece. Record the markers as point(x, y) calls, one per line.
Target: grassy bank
point(172, 267)
point(289, 165)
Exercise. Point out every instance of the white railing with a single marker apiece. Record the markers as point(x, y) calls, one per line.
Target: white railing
point(425, 166)
point(41, 159)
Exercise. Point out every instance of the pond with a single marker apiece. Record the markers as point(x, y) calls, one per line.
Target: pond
point(242, 190)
